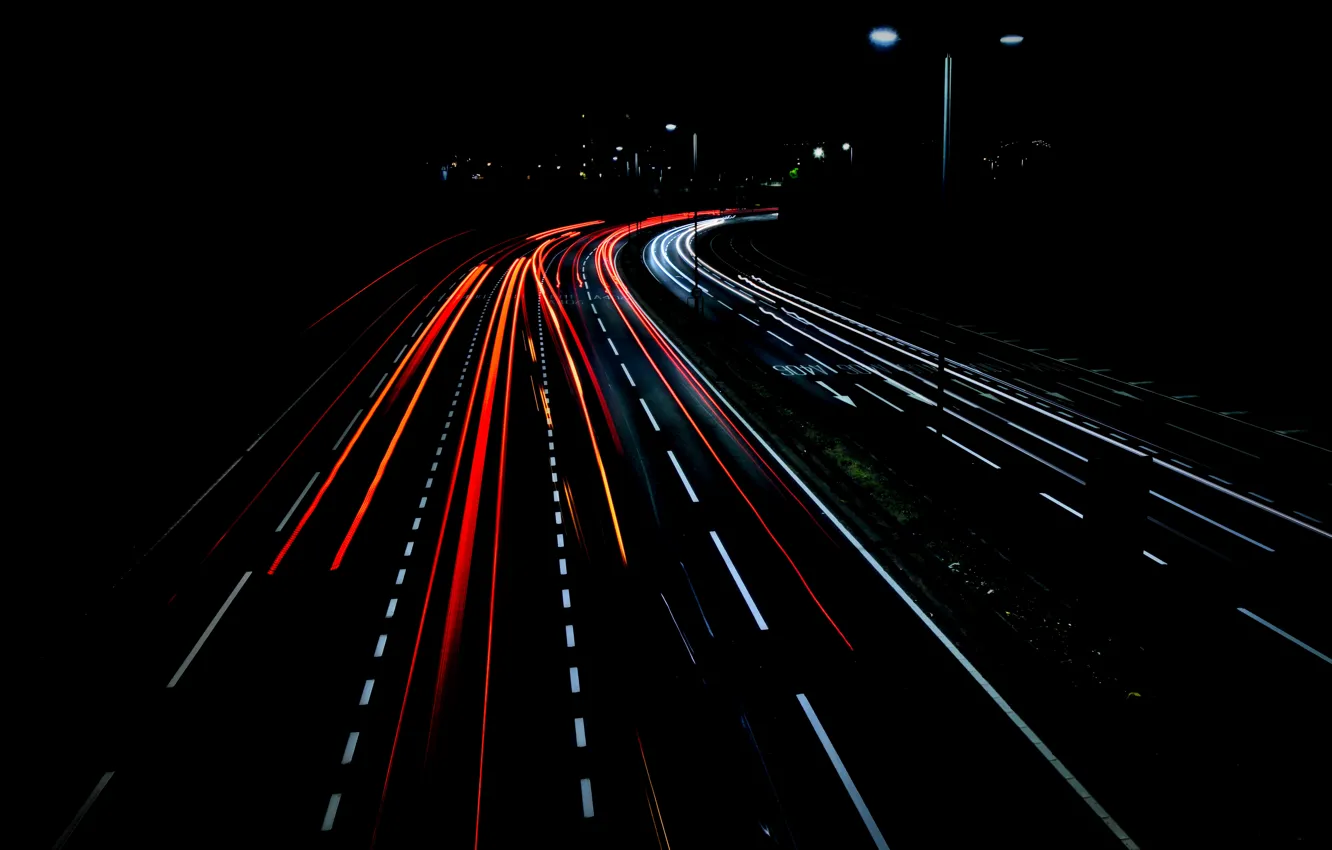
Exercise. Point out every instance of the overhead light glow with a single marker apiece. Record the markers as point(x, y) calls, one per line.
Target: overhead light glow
point(619, 148)
point(846, 146)
point(818, 153)
point(882, 37)
point(1011, 39)
point(670, 128)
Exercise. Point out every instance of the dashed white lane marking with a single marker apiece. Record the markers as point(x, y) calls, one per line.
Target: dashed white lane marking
point(378, 385)
point(552, 460)
point(350, 750)
point(550, 445)
point(573, 680)
point(439, 450)
point(392, 606)
point(1287, 635)
point(84, 809)
point(569, 636)
point(680, 472)
point(580, 733)
point(208, 631)
point(400, 353)
point(429, 481)
point(422, 505)
point(559, 540)
point(651, 418)
point(1062, 505)
point(299, 499)
point(841, 772)
point(627, 375)
point(603, 326)
point(332, 811)
point(586, 786)
point(564, 595)
point(434, 467)
point(365, 691)
point(416, 523)
point(554, 476)
point(417, 331)
point(347, 430)
point(1153, 557)
point(408, 551)
point(558, 519)
point(747, 319)
point(379, 645)
point(770, 333)
point(555, 494)
point(564, 568)
point(594, 308)
point(612, 345)
point(744, 591)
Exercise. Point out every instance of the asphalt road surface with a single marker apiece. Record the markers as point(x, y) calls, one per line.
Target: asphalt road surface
point(512, 571)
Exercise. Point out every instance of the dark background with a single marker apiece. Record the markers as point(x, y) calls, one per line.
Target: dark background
point(195, 187)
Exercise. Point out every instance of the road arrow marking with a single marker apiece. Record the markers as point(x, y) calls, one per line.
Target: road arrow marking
point(836, 394)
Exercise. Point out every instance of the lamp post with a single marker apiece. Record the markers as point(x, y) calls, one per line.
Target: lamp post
point(850, 153)
point(693, 191)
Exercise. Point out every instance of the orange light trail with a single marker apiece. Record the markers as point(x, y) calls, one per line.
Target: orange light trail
point(494, 563)
point(462, 563)
point(314, 503)
point(587, 417)
point(555, 230)
point(716, 457)
point(384, 275)
point(407, 414)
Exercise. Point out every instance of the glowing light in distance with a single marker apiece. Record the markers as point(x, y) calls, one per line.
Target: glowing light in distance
point(619, 147)
point(882, 37)
point(1011, 39)
point(670, 128)
point(846, 146)
point(818, 153)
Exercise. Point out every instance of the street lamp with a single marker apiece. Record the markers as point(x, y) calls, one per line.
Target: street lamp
point(883, 37)
point(851, 154)
point(1011, 40)
point(693, 191)
point(818, 153)
point(670, 128)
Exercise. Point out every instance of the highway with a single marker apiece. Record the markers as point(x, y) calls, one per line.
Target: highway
point(511, 569)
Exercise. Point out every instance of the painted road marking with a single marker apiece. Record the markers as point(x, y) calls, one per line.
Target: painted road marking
point(651, 418)
point(379, 646)
point(382, 379)
point(569, 636)
point(564, 594)
point(101, 786)
point(680, 472)
point(573, 680)
point(347, 430)
point(841, 772)
point(349, 750)
point(744, 591)
point(332, 812)
point(299, 498)
point(208, 631)
point(1287, 635)
point(580, 733)
point(627, 375)
point(365, 691)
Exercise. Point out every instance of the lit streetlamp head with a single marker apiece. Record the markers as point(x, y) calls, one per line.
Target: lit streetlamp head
point(846, 146)
point(1011, 40)
point(619, 147)
point(883, 37)
point(670, 128)
point(818, 153)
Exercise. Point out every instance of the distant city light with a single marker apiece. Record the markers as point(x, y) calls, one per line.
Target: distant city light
point(670, 128)
point(818, 153)
point(1011, 39)
point(619, 148)
point(882, 37)
point(614, 158)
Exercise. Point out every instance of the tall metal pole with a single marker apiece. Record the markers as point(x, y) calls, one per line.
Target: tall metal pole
point(947, 124)
point(698, 302)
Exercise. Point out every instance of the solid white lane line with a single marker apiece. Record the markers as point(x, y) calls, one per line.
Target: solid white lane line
point(1285, 634)
point(747, 319)
point(196, 502)
point(586, 786)
point(841, 772)
point(881, 398)
point(568, 636)
point(770, 333)
point(651, 418)
point(612, 345)
point(332, 812)
point(580, 733)
point(564, 594)
point(680, 472)
point(350, 750)
point(1062, 505)
point(299, 498)
point(392, 606)
point(603, 326)
point(402, 574)
point(573, 680)
point(347, 430)
point(208, 631)
point(1210, 520)
point(101, 786)
point(382, 379)
point(379, 645)
point(365, 691)
point(925, 619)
point(744, 591)
point(400, 353)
